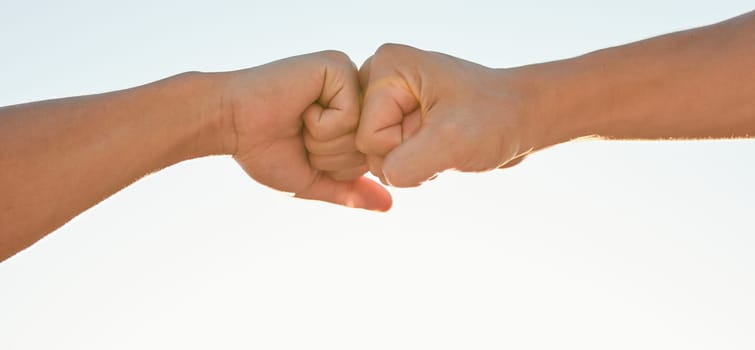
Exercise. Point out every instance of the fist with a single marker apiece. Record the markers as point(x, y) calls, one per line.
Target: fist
point(295, 122)
point(426, 112)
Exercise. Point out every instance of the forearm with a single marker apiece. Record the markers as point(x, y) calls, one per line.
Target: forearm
point(698, 83)
point(60, 157)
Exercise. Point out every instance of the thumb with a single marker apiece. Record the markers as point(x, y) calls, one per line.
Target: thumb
point(420, 157)
point(386, 103)
point(360, 193)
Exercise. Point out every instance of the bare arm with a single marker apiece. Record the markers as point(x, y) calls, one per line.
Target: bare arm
point(698, 83)
point(60, 157)
point(425, 112)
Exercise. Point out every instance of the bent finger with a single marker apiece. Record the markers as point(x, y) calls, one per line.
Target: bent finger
point(385, 106)
point(326, 124)
point(337, 162)
point(347, 174)
point(342, 144)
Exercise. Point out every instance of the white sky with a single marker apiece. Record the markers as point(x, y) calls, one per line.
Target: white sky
point(592, 245)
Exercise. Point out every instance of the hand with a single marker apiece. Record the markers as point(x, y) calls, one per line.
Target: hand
point(426, 112)
point(295, 122)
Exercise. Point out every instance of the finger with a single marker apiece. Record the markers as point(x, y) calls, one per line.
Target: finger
point(420, 157)
point(347, 174)
point(337, 162)
point(337, 109)
point(364, 73)
point(411, 124)
point(340, 84)
point(512, 162)
point(325, 124)
point(342, 144)
point(375, 165)
point(385, 105)
point(360, 193)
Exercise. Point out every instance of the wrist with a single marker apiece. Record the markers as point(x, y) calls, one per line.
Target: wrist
point(566, 100)
point(539, 104)
point(205, 113)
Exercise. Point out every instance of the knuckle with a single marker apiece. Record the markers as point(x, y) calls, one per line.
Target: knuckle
point(317, 132)
point(312, 145)
point(389, 49)
point(335, 56)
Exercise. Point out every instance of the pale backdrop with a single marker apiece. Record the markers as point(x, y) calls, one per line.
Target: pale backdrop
point(595, 245)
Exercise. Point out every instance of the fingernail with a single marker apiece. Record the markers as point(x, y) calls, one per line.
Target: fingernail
point(385, 181)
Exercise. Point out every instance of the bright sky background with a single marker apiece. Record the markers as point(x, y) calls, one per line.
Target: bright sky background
point(592, 245)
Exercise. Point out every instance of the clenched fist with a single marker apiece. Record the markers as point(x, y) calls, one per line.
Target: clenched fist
point(426, 112)
point(295, 122)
